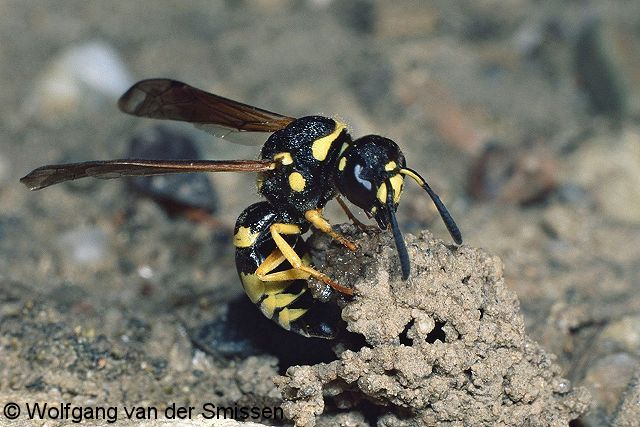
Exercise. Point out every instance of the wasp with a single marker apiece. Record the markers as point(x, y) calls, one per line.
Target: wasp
point(305, 163)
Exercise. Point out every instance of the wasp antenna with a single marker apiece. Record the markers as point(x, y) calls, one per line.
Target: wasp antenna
point(444, 213)
point(397, 235)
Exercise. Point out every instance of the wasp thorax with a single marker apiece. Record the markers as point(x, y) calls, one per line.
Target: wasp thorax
point(368, 170)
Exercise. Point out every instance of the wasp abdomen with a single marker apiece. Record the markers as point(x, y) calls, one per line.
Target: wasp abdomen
point(289, 303)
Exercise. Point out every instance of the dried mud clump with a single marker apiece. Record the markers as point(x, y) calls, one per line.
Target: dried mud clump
point(446, 347)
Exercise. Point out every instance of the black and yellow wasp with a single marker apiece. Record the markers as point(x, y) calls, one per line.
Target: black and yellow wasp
point(304, 164)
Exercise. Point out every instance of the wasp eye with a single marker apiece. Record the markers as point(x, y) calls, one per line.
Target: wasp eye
point(357, 186)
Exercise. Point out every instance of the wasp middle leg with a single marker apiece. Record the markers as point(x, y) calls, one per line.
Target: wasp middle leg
point(277, 230)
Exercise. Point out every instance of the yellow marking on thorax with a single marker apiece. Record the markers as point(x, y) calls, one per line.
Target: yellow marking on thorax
point(390, 166)
point(344, 147)
point(244, 237)
point(320, 147)
point(396, 184)
point(284, 157)
point(342, 163)
point(296, 181)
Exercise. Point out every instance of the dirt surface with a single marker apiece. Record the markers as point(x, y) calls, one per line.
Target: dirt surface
point(523, 117)
point(447, 347)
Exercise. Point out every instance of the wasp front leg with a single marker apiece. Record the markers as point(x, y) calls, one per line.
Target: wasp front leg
point(351, 216)
point(314, 216)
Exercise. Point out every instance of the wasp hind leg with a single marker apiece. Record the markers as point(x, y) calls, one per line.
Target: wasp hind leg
point(270, 263)
point(277, 230)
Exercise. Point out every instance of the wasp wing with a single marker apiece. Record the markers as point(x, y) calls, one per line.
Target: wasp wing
point(172, 100)
point(45, 176)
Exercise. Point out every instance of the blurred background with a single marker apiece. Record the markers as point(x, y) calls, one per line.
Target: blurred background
point(522, 115)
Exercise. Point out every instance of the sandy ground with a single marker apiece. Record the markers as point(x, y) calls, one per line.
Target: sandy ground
point(522, 115)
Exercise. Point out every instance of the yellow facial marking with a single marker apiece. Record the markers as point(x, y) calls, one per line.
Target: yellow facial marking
point(296, 181)
point(396, 184)
point(382, 193)
point(244, 237)
point(284, 158)
point(390, 166)
point(320, 147)
point(342, 164)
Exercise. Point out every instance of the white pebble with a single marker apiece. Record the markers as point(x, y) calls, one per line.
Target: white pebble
point(83, 245)
point(80, 70)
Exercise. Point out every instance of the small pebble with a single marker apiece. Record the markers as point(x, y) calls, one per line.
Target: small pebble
point(175, 192)
point(520, 175)
point(83, 245)
point(80, 70)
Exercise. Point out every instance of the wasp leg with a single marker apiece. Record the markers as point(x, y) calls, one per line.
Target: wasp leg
point(315, 218)
point(350, 215)
point(290, 254)
point(271, 262)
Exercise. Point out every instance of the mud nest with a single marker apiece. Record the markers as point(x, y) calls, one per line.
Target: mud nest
point(446, 347)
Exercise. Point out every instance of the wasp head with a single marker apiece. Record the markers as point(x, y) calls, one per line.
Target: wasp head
point(370, 174)
point(366, 170)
